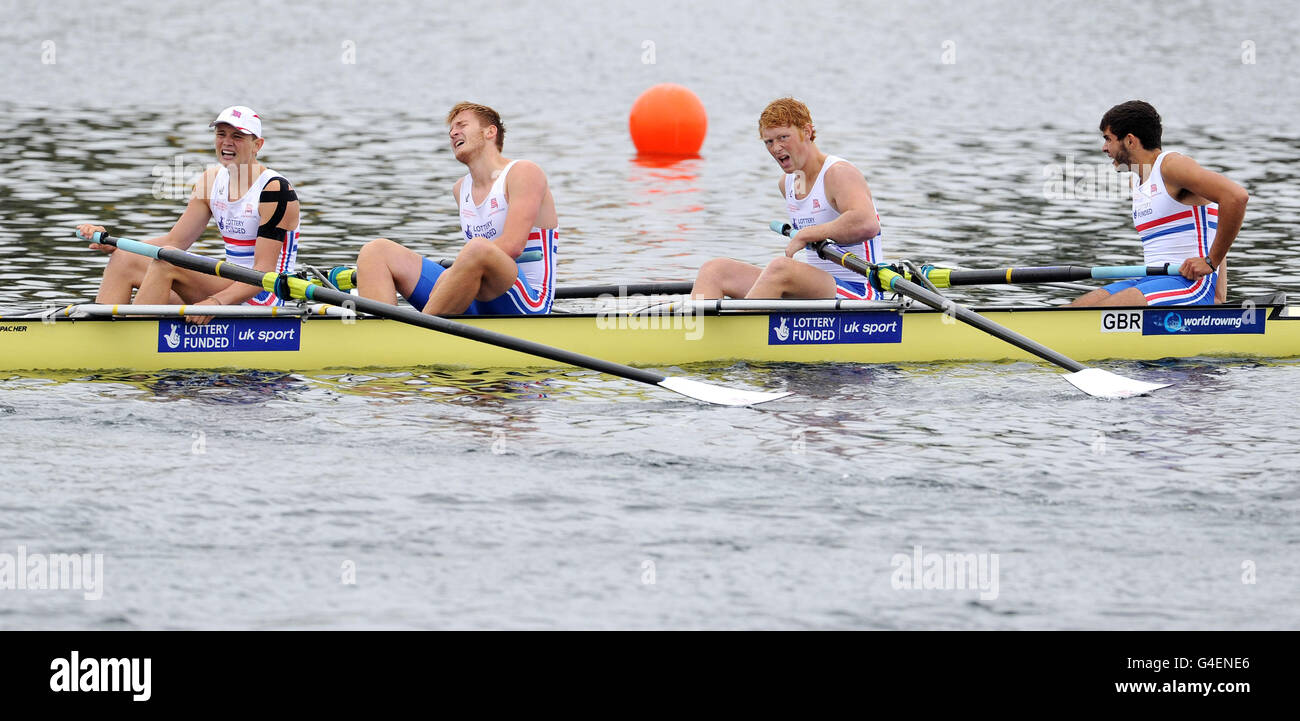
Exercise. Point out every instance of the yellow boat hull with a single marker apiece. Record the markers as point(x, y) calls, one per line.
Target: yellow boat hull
point(921, 336)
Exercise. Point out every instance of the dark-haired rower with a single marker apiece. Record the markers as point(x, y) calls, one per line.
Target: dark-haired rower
point(1185, 215)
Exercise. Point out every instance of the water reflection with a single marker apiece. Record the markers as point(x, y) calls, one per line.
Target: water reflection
point(200, 386)
point(446, 386)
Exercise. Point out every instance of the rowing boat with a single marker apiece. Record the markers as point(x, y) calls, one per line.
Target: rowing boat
point(665, 333)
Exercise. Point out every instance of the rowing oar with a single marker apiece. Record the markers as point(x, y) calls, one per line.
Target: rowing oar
point(292, 286)
point(947, 278)
point(345, 278)
point(1093, 381)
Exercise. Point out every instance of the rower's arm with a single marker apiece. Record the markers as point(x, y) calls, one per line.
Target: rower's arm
point(1182, 172)
point(187, 229)
point(848, 193)
point(525, 191)
point(279, 211)
point(195, 218)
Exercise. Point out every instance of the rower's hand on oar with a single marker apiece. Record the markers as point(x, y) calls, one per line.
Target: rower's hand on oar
point(201, 319)
point(795, 245)
point(1194, 268)
point(88, 230)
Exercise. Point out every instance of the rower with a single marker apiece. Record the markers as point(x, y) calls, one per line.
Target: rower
point(255, 208)
point(1185, 215)
point(507, 213)
point(836, 204)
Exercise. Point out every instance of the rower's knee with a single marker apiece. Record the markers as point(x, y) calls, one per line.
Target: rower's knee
point(158, 267)
point(713, 270)
point(1126, 297)
point(377, 249)
point(477, 252)
point(781, 270)
point(124, 262)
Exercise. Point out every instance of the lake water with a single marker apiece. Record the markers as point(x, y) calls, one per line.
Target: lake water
point(563, 498)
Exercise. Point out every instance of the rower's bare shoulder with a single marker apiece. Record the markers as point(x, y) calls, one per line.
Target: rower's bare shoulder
point(526, 177)
point(203, 186)
point(844, 172)
point(277, 183)
point(844, 178)
point(1177, 171)
point(527, 171)
point(1177, 163)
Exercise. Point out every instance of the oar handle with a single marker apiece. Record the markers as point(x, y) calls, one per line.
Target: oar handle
point(130, 246)
point(843, 257)
point(282, 285)
point(948, 277)
point(527, 256)
point(1134, 271)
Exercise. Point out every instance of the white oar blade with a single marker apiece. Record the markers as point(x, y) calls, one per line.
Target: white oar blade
point(720, 395)
point(1104, 384)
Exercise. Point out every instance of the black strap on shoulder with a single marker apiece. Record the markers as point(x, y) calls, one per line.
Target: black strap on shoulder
point(281, 197)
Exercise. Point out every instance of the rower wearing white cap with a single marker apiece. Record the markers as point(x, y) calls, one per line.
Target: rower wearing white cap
point(255, 208)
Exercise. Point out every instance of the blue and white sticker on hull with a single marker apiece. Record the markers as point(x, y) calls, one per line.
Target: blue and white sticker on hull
point(824, 328)
point(225, 336)
point(1189, 321)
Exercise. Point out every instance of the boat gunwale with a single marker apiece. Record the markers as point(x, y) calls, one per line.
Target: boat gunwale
point(1275, 313)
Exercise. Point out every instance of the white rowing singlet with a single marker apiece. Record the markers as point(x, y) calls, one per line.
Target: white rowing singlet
point(488, 220)
point(239, 221)
point(1171, 231)
point(815, 209)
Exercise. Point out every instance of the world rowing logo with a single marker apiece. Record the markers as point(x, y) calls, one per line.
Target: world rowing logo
point(782, 332)
point(173, 337)
point(1173, 323)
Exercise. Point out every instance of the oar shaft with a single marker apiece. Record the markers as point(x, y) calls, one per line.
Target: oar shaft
point(320, 293)
point(945, 277)
point(591, 291)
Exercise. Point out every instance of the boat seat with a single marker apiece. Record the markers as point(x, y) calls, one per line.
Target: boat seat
point(1277, 297)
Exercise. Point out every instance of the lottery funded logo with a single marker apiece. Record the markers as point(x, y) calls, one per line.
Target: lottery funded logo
point(243, 334)
point(834, 328)
point(482, 230)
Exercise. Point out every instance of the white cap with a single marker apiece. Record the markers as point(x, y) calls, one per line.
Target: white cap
point(242, 118)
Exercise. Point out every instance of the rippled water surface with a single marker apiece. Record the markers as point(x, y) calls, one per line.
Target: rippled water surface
point(565, 498)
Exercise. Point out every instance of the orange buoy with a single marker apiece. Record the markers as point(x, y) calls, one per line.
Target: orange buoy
point(668, 119)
